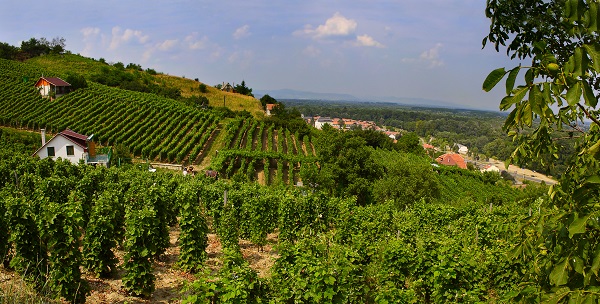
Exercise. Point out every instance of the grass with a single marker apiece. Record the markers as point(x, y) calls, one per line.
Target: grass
point(15, 290)
point(235, 102)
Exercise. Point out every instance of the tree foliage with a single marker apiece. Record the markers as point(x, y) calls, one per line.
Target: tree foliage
point(243, 89)
point(559, 92)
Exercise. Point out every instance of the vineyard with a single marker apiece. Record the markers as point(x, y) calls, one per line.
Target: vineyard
point(66, 227)
point(150, 127)
point(262, 152)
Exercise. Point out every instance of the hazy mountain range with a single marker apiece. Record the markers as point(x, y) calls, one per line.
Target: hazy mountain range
point(295, 94)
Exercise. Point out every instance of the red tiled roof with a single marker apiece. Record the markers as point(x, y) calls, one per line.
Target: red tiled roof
point(270, 106)
point(56, 81)
point(427, 146)
point(452, 159)
point(80, 139)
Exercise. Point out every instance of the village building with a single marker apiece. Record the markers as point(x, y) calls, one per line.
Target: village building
point(428, 146)
point(321, 121)
point(73, 147)
point(490, 168)
point(462, 149)
point(452, 159)
point(269, 108)
point(227, 88)
point(52, 87)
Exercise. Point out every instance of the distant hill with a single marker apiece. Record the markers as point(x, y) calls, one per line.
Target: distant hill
point(295, 94)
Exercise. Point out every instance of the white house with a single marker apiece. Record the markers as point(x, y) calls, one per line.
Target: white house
point(71, 146)
point(490, 168)
point(48, 85)
point(321, 121)
point(462, 149)
point(269, 108)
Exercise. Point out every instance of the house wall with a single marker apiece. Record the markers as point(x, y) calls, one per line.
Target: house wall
point(60, 144)
point(44, 89)
point(319, 124)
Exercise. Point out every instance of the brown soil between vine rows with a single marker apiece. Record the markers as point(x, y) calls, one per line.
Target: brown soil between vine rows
point(169, 280)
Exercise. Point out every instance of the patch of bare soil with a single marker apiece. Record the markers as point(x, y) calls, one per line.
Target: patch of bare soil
point(169, 279)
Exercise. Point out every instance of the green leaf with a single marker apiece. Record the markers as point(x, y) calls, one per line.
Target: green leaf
point(510, 81)
point(506, 103)
point(588, 95)
point(595, 150)
point(594, 53)
point(529, 77)
point(581, 62)
point(574, 94)
point(593, 17)
point(527, 115)
point(558, 295)
point(594, 179)
point(535, 96)
point(596, 262)
point(560, 274)
point(493, 78)
point(578, 225)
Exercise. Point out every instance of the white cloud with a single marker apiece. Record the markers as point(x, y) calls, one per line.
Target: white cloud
point(167, 44)
point(311, 51)
point(89, 32)
point(366, 40)
point(431, 57)
point(119, 36)
point(195, 43)
point(241, 32)
point(90, 35)
point(242, 59)
point(337, 25)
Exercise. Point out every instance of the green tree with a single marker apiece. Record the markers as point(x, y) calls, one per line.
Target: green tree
point(266, 100)
point(243, 89)
point(410, 143)
point(348, 166)
point(8, 51)
point(408, 178)
point(559, 92)
point(77, 81)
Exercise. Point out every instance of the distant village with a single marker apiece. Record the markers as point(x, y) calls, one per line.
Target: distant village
point(448, 159)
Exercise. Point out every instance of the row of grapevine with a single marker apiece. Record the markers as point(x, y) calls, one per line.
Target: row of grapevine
point(254, 146)
point(329, 248)
point(150, 126)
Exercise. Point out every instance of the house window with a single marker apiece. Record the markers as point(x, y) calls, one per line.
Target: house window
point(70, 151)
point(50, 151)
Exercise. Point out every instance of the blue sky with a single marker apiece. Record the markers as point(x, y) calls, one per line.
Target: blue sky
point(413, 48)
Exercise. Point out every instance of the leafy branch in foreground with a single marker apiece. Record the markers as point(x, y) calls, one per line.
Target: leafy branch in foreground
point(560, 91)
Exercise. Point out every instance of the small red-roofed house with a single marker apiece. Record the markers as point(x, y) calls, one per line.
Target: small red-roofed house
point(452, 159)
point(73, 147)
point(428, 146)
point(49, 86)
point(269, 108)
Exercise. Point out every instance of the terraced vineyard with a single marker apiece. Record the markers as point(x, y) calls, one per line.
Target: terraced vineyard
point(262, 152)
point(150, 126)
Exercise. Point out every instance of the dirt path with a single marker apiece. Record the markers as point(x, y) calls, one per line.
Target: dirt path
point(264, 140)
point(294, 146)
point(202, 161)
point(303, 145)
point(254, 138)
point(521, 173)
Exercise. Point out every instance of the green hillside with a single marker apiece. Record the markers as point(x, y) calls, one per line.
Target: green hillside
point(150, 126)
point(61, 65)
